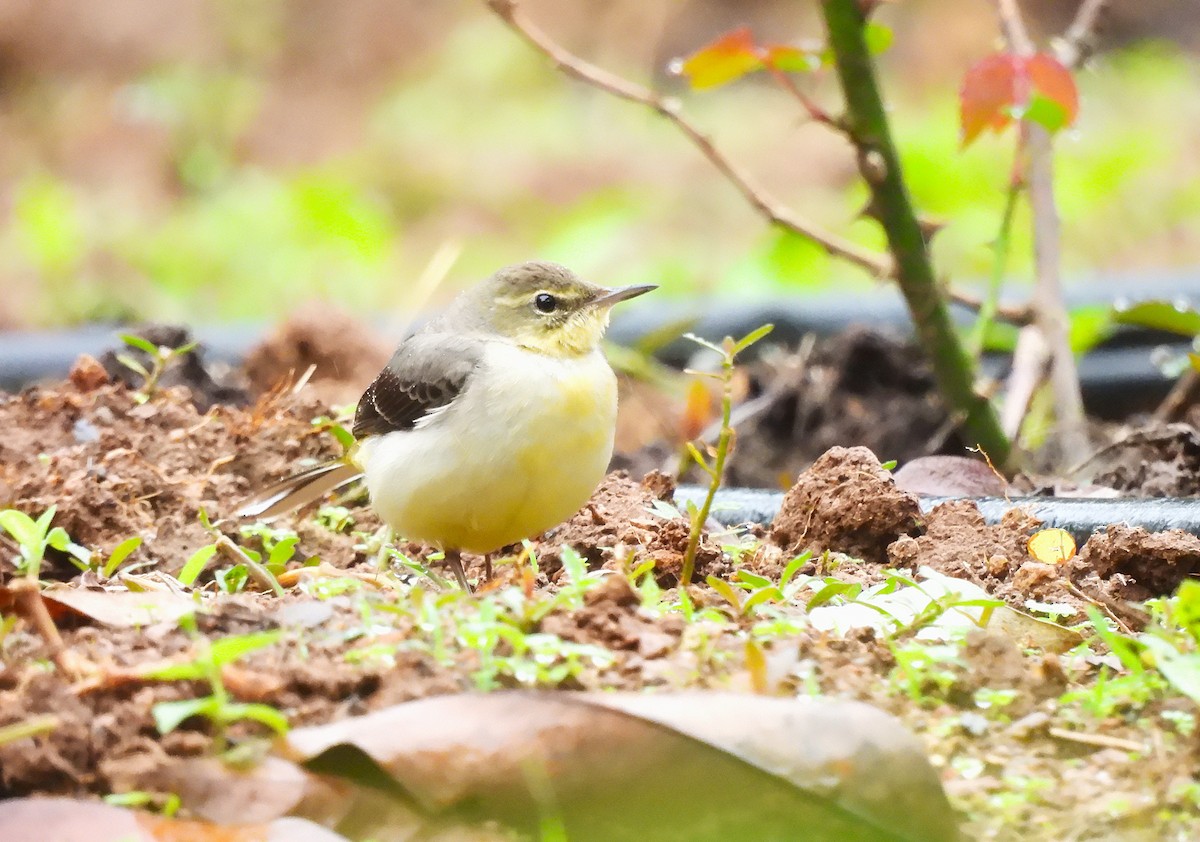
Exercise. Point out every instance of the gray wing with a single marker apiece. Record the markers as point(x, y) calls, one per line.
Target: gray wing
point(427, 372)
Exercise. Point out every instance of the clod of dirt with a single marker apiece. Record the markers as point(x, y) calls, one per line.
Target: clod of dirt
point(1161, 461)
point(959, 542)
point(1136, 564)
point(995, 661)
point(621, 515)
point(87, 373)
point(209, 384)
point(848, 503)
point(344, 353)
point(612, 617)
point(860, 388)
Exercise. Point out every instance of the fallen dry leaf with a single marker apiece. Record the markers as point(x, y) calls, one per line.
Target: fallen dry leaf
point(693, 766)
point(118, 609)
point(65, 820)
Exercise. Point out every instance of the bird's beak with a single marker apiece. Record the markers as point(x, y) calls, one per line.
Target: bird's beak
point(611, 296)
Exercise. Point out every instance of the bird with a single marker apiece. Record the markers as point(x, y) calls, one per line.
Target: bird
point(492, 423)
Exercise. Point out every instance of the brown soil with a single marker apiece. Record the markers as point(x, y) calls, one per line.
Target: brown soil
point(352, 643)
point(859, 388)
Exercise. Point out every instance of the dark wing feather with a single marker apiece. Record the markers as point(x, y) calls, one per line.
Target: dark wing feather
point(426, 373)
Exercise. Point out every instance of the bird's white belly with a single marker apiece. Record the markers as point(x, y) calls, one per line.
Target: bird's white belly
point(520, 451)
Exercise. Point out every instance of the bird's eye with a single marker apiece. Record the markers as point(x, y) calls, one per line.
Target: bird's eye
point(545, 302)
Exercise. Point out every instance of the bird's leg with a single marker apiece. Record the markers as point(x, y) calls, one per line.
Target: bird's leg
point(487, 567)
point(454, 559)
point(383, 538)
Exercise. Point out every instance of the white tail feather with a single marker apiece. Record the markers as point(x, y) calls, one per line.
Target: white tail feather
point(299, 490)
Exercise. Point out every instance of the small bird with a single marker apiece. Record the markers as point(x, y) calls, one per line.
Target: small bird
point(490, 424)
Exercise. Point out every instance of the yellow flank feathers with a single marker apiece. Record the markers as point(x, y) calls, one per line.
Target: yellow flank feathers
point(510, 460)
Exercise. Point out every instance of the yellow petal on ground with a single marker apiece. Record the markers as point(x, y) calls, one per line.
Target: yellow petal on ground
point(1052, 546)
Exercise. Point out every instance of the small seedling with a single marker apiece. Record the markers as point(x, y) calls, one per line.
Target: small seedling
point(248, 564)
point(713, 463)
point(217, 707)
point(160, 358)
point(119, 554)
point(748, 590)
point(28, 728)
point(34, 537)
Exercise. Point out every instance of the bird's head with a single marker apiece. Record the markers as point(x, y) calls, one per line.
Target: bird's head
point(546, 308)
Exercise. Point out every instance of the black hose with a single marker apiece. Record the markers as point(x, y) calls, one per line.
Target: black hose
point(1117, 378)
point(1082, 517)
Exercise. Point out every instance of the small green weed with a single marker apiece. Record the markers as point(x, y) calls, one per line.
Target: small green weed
point(218, 708)
point(698, 515)
point(35, 537)
point(158, 360)
point(748, 591)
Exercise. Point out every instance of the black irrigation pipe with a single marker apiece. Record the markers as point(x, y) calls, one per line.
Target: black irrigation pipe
point(1081, 517)
point(1118, 377)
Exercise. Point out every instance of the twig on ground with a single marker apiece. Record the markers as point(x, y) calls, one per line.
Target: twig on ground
point(255, 572)
point(1098, 740)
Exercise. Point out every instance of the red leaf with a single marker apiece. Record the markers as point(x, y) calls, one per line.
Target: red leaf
point(989, 91)
point(729, 57)
point(1054, 83)
point(1003, 86)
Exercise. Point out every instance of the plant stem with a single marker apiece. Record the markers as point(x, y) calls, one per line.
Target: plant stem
point(990, 303)
point(28, 728)
point(866, 123)
point(724, 438)
point(1051, 318)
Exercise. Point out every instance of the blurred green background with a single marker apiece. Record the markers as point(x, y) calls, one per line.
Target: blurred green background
point(208, 160)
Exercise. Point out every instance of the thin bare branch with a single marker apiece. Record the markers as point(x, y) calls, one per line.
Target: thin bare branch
point(814, 111)
point(1076, 43)
point(1013, 26)
point(776, 213)
point(1012, 314)
point(878, 265)
point(1049, 309)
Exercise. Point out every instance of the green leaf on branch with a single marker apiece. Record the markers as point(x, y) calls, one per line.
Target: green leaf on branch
point(879, 37)
point(1004, 87)
point(1054, 99)
point(1160, 315)
point(792, 59)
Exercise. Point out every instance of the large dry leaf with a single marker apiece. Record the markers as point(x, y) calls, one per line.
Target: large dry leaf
point(118, 609)
point(64, 820)
point(694, 766)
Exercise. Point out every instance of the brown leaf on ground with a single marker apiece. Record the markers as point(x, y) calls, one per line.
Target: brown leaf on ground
point(950, 476)
point(122, 608)
point(838, 769)
point(63, 820)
